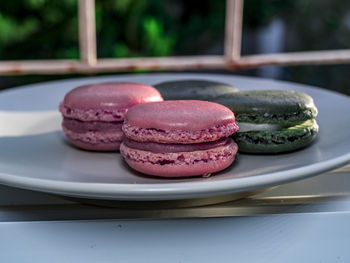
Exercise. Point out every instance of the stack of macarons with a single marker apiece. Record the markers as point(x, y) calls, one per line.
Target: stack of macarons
point(272, 121)
point(93, 114)
point(190, 134)
point(179, 138)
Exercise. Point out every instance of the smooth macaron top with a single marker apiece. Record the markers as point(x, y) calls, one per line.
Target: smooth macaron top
point(106, 101)
point(270, 106)
point(188, 115)
point(109, 95)
point(193, 89)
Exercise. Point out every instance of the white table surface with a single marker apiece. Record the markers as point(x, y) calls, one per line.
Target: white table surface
point(271, 238)
point(35, 227)
point(296, 222)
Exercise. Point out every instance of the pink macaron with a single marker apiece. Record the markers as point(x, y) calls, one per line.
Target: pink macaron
point(179, 138)
point(93, 114)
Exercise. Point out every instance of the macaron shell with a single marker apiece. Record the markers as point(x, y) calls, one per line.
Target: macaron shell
point(106, 101)
point(193, 89)
point(95, 140)
point(182, 164)
point(104, 147)
point(188, 115)
point(110, 95)
point(179, 136)
point(270, 106)
point(92, 114)
point(285, 140)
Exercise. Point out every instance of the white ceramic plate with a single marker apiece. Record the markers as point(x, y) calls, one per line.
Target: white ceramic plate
point(34, 154)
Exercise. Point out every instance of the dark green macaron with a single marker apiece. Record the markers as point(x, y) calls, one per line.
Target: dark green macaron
point(191, 89)
point(270, 106)
point(272, 121)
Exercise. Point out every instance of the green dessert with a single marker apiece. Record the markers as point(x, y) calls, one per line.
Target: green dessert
point(272, 121)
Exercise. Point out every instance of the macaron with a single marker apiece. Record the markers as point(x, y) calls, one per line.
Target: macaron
point(93, 114)
point(193, 89)
point(272, 121)
point(179, 138)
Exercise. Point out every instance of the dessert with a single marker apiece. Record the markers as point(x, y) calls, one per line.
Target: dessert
point(272, 121)
point(193, 89)
point(93, 114)
point(179, 138)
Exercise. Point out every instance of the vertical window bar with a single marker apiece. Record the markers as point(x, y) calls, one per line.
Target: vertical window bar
point(233, 29)
point(87, 32)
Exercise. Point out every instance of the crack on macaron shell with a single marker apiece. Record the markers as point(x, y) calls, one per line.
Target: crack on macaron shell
point(179, 136)
point(190, 163)
point(92, 114)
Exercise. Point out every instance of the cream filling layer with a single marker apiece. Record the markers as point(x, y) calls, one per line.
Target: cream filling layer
point(245, 127)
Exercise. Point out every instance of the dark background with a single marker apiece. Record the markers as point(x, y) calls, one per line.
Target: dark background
point(46, 29)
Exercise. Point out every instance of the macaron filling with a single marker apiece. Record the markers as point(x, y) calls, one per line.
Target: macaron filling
point(289, 118)
point(175, 148)
point(245, 126)
point(78, 126)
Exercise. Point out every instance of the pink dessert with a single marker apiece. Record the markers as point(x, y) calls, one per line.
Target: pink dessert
point(179, 138)
point(93, 114)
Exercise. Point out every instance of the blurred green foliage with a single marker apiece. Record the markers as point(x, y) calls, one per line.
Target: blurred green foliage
point(34, 29)
point(131, 28)
point(47, 29)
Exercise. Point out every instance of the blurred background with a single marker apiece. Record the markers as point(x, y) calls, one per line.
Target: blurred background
point(46, 29)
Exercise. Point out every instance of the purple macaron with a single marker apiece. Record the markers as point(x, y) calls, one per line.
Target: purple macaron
point(179, 138)
point(93, 114)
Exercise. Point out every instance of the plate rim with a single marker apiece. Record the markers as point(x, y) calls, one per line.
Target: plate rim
point(167, 191)
point(114, 191)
